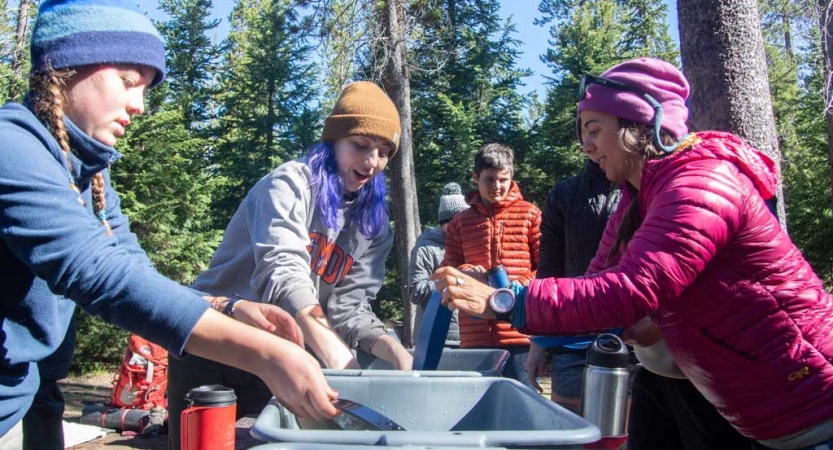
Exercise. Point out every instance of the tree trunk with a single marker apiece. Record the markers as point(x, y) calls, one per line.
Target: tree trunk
point(722, 49)
point(21, 34)
point(826, 25)
point(403, 182)
point(20, 37)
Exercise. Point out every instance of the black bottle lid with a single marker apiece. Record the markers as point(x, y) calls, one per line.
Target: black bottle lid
point(211, 395)
point(608, 350)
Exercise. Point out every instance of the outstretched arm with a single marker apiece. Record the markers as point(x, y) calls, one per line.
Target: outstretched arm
point(323, 339)
point(293, 375)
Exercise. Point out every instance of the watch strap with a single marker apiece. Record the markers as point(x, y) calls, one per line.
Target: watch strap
point(231, 305)
point(507, 316)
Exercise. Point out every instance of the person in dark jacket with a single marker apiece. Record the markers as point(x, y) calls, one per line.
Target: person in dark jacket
point(428, 253)
point(693, 246)
point(572, 224)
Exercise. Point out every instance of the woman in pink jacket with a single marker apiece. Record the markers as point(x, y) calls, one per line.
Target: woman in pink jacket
point(694, 246)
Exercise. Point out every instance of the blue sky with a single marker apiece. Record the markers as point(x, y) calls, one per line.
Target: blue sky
point(523, 12)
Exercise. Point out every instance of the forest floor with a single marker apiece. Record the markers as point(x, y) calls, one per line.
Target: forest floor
point(95, 390)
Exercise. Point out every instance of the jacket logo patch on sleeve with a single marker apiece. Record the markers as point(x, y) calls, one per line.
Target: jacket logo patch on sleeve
point(799, 374)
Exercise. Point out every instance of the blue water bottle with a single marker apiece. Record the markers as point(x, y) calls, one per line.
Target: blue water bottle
point(498, 278)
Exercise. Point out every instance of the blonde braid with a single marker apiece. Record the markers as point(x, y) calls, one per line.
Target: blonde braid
point(48, 105)
point(100, 202)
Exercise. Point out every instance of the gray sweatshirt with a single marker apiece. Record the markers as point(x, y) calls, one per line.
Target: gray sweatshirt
point(276, 249)
point(426, 256)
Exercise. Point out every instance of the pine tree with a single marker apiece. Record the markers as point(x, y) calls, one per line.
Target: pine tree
point(724, 59)
point(588, 37)
point(796, 76)
point(465, 91)
point(807, 177)
point(269, 98)
point(193, 59)
point(167, 195)
point(15, 31)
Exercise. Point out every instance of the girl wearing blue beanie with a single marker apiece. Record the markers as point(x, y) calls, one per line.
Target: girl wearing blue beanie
point(64, 240)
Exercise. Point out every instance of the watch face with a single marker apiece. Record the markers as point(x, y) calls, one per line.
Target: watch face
point(503, 301)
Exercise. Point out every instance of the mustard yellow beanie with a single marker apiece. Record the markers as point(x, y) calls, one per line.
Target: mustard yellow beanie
point(363, 109)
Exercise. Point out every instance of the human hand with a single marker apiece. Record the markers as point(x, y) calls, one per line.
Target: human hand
point(323, 340)
point(644, 333)
point(535, 365)
point(477, 272)
point(293, 376)
point(464, 293)
point(269, 318)
point(299, 384)
point(391, 350)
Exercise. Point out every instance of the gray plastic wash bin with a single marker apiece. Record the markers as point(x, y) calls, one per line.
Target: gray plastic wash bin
point(398, 373)
point(438, 411)
point(487, 362)
point(318, 446)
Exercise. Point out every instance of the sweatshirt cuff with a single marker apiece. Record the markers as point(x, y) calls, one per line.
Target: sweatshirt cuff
point(519, 311)
point(366, 342)
point(297, 300)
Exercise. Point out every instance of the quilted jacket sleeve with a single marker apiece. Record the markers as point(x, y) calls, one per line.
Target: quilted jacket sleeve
point(689, 218)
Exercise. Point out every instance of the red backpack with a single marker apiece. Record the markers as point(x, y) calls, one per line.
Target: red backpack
point(143, 379)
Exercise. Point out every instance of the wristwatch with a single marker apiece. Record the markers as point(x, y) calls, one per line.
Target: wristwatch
point(502, 302)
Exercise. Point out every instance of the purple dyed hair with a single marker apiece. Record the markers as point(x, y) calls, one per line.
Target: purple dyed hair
point(369, 210)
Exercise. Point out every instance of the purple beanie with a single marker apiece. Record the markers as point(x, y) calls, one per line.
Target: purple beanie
point(657, 78)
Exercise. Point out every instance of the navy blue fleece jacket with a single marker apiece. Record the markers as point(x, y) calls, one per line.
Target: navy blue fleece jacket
point(54, 254)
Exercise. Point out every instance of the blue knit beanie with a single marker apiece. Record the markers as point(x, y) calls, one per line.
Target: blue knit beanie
point(75, 33)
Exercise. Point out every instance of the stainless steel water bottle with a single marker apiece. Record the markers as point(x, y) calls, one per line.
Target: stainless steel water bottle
point(604, 395)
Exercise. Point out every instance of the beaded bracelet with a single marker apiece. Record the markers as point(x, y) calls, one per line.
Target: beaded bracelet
point(231, 305)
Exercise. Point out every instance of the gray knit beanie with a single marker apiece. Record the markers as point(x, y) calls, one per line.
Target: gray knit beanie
point(451, 202)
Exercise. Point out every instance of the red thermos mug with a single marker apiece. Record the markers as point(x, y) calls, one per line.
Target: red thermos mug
point(209, 421)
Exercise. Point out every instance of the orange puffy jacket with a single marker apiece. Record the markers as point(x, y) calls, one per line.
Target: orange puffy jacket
point(505, 233)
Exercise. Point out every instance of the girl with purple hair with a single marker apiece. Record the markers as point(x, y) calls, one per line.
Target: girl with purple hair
point(311, 237)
